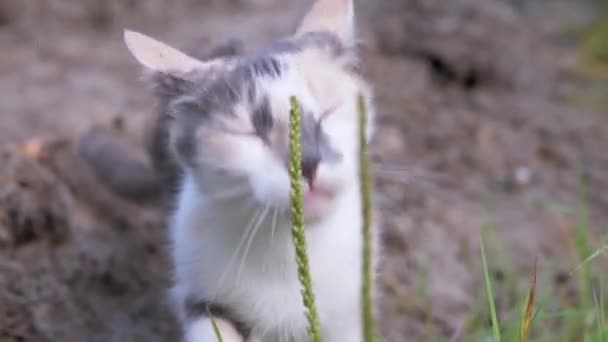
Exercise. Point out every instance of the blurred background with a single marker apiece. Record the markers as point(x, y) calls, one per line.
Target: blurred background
point(493, 123)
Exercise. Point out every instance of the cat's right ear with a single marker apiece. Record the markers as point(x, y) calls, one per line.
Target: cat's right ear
point(334, 16)
point(160, 57)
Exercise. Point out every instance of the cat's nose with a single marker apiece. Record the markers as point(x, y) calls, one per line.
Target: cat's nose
point(310, 164)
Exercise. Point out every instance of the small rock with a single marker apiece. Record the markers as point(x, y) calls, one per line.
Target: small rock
point(523, 176)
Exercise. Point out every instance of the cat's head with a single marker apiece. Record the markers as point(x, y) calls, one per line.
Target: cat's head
point(230, 115)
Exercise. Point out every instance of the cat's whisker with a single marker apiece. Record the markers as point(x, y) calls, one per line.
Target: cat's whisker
point(209, 165)
point(228, 194)
point(383, 201)
point(252, 235)
point(398, 167)
point(405, 171)
point(410, 177)
point(275, 217)
point(390, 171)
point(235, 253)
point(250, 202)
point(418, 169)
point(401, 178)
point(394, 167)
point(258, 212)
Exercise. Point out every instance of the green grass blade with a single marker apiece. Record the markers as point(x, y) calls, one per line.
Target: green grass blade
point(216, 329)
point(591, 257)
point(297, 217)
point(369, 327)
point(602, 333)
point(528, 312)
point(490, 294)
point(583, 246)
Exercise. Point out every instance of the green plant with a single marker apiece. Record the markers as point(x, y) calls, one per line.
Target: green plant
point(490, 294)
point(594, 50)
point(369, 328)
point(299, 237)
point(528, 312)
point(297, 218)
point(216, 329)
point(555, 308)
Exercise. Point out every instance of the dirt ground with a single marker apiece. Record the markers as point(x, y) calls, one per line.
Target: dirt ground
point(478, 127)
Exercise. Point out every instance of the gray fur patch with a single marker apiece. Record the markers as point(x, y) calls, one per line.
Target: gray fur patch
point(168, 86)
point(262, 66)
point(262, 119)
point(216, 91)
point(198, 98)
point(185, 140)
point(316, 146)
point(158, 135)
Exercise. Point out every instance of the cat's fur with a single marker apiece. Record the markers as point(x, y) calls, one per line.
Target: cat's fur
point(227, 125)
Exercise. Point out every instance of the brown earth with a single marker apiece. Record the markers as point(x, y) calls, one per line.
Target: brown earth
point(476, 126)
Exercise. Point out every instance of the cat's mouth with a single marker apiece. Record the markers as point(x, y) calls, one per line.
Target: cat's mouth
point(318, 200)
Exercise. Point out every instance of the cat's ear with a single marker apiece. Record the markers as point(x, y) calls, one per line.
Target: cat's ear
point(333, 16)
point(160, 57)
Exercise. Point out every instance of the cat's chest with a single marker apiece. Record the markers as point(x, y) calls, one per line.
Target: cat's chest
point(255, 274)
point(260, 281)
point(270, 298)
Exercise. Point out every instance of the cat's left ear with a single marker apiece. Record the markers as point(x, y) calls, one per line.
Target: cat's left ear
point(334, 16)
point(160, 57)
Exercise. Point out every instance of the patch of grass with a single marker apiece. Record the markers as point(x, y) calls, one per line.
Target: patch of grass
point(594, 48)
point(490, 294)
point(602, 331)
point(593, 96)
point(557, 306)
point(592, 42)
point(422, 285)
point(583, 247)
point(529, 312)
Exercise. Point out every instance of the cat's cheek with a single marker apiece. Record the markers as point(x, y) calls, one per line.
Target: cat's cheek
point(270, 184)
point(331, 176)
point(233, 152)
point(215, 146)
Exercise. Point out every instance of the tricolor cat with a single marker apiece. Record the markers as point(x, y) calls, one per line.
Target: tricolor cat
point(228, 133)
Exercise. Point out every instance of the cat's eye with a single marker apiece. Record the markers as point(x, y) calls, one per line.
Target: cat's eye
point(236, 132)
point(262, 120)
point(231, 131)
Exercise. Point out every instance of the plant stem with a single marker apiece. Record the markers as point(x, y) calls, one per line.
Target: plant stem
point(369, 328)
point(490, 294)
point(297, 217)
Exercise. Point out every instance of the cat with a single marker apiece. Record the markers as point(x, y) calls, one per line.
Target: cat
point(227, 131)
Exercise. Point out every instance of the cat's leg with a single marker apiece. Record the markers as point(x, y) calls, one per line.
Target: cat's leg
point(201, 330)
